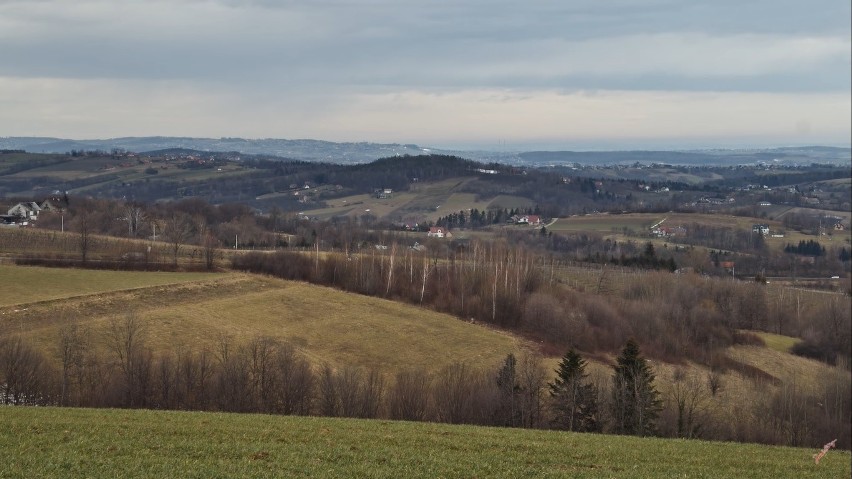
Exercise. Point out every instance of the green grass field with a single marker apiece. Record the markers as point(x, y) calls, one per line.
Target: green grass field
point(777, 342)
point(52, 442)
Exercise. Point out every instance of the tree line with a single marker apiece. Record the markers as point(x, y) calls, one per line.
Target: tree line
point(116, 367)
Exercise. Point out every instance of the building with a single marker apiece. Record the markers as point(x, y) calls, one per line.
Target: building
point(762, 229)
point(28, 210)
point(439, 232)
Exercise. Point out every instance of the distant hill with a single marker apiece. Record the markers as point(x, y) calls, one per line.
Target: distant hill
point(363, 152)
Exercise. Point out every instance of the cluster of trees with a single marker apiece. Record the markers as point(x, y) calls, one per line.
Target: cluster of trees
point(676, 316)
point(117, 367)
point(806, 248)
point(648, 259)
point(480, 219)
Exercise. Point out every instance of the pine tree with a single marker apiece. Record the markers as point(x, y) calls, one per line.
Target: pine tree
point(635, 401)
point(508, 407)
point(574, 400)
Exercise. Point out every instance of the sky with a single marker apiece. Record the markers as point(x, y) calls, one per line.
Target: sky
point(486, 74)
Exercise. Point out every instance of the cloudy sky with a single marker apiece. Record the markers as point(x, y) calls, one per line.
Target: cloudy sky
point(443, 73)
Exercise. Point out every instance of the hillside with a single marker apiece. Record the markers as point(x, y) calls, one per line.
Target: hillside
point(196, 311)
point(50, 442)
point(181, 315)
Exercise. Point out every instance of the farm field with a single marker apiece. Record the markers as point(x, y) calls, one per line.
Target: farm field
point(52, 442)
point(327, 325)
point(424, 202)
point(614, 226)
point(35, 284)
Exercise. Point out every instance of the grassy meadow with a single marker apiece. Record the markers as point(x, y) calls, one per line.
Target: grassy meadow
point(52, 442)
point(35, 284)
point(182, 310)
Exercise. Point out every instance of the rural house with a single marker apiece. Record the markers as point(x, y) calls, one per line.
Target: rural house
point(28, 210)
point(528, 220)
point(762, 229)
point(439, 232)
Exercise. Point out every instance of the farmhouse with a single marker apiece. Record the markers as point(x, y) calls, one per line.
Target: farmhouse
point(28, 210)
point(383, 193)
point(528, 220)
point(762, 229)
point(439, 232)
point(668, 231)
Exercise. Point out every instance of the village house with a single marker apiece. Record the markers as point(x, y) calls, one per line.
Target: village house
point(439, 232)
point(762, 229)
point(383, 193)
point(668, 231)
point(527, 219)
point(28, 210)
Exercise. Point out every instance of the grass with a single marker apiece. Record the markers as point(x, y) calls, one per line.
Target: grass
point(23, 285)
point(777, 342)
point(327, 325)
point(52, 442)
point(424, 201)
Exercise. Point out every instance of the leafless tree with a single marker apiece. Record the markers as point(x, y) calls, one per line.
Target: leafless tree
point(84, 227)
point(71, 349)
point(23, 373)
point(125, 339)
point(462, 395)
point(689, 399)
point(295, 382)
point(409, 395)
point(134, 215)
point(178, 231)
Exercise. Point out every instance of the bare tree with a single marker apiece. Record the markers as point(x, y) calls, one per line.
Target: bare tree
point(689, 396)
point(261, 352)
point(178, 231)
point(295, 382)
point(84, 227)
point(22, 373)
point(71, 348)
point(409, 395)
point(125, 339)
point(134, 215)
point(461, 395)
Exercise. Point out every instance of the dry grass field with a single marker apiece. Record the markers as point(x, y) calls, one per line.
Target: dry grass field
point(36, 284)
point(183, 311)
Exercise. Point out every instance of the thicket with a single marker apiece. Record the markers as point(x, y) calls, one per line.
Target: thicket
point(116, 367)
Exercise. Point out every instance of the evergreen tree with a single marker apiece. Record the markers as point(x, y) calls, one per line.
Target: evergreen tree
point(635, 401)
point(508, 406)
point(574, 400)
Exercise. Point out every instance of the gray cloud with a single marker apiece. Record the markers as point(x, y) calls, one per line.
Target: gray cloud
point(318, 56)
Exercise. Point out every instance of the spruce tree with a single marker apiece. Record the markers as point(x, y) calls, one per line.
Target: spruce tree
point(508, 410)
point(635, 401)
point(574, 400)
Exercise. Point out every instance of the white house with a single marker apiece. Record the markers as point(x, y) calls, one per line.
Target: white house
point(28, 210)
point(439, 232)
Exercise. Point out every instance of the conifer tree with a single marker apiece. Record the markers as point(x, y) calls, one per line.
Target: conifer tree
point(574, 400)
point(508, 413)
point(635, 401)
